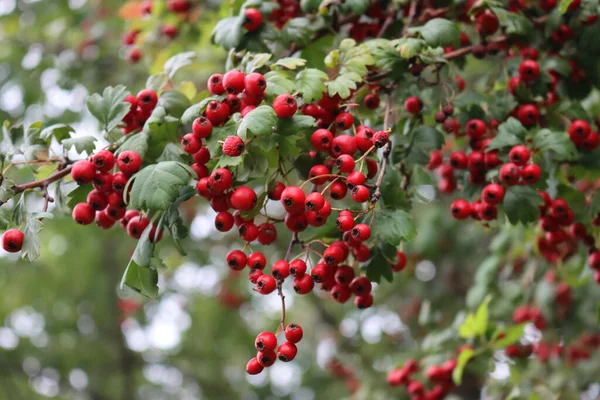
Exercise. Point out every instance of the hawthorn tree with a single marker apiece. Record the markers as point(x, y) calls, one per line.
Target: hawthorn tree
point(323, 135)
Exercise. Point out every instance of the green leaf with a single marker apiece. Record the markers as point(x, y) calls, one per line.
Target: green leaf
point(31, 244)
point(564, 5)
point(510, 133)
point(394, 226)
point(259, 122)
point(341, 85)
point(298, 31)
point(173, 219)
point(513, 23)
point(423, 140)
point(557, 142)
point(310, 82)
point(179, 61)
point(392, 195)
point(193, 112)
point(140, 275)
point(463, 358)
point(6, 190)
point(78, 195)
point(157, 81)
point(57, 131)
point(278, 83)
point(295, 125)
point(228, 32)
point(508, 336)
point(157, 186)
point(289, 63)
point(379, 265)
point(500, 106)
point(411, 47)
point(355, 6)
point(557, 64)
point(521, 204)
point(160, 130)
point(175, 103)
point(110, 108)
point(476, 324)
point(81, 144)
point(439, 32)
point(137, 142)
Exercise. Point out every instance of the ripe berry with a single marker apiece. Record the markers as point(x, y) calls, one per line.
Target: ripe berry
point(528, 114)
point(461, 209)
point(345, 163)
point(476, 161)
point(579, 130)
point(224, 221)
point(103, 160)
point(293, 333)
point(83, 171)
point(234, 81)
point(361, 232)
point(243, 198)
point(275, 192)
point(371, 101)
point(354, 179)
point(97, 200)
point(12, 241)
point(129, 162)
point(297, 222)
point(344, 223)
point(280, 270)
point(380, 139)
point(303, 284)
point(510, 174)
point(413, 105)
point(202, 127)
point(333, 255)
point(493, 193)
point(293, 199)
point(529, 70)
point(321, 139)
point(341, 293)
point(435, 160)
point(459, 160)
point(287, 352)
point(344, 275)
point(360, 193)
point(253, 367)
point(191, 144)
point(364, 138)
point(487, 22)
point(248, 231)
point(220, 180)
point(266, 359)
point(236, 260)
point(338, 190)
point(531, 173)
point(400, 262)
point(215, 84)
point(266, 284)
point(519, 155)
point(475, 128)
point(285, 106)
point(343, 144)
point(147, 99)
point(360, 286)
point(83, 214)
point(344, 121)
point(363, 302)
point(314, 201)
point(488, 212)
point(137, 226)
point(594, 260)
point(119, 181)
point(252, 19)
point(321, 273)
point(255, 83)
point(217, 112)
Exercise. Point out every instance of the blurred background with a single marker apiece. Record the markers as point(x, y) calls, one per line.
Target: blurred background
point(68, 332)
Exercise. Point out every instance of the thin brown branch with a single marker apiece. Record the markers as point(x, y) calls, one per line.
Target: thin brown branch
point(386, 153)
point(469, 49)
point(295, 240)
point(44, 182)
point(412, 12)
point(47, 198)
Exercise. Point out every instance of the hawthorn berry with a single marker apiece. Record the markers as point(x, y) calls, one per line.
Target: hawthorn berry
point(528, 114)
point(461, 209)
point(400, 262)
point(493, 193)
point(338, 190)
point(12, 241)
point(276, 191)
point(475, 128)
point(103, 160)
point(363, 302)
point(509, 174)
point(243, 198)
point(220, 180)
point(531, 173)
point(519, 155)
point(266, 284)
point(147, 99)
point(287, 352)
point(83, 214)
point(343, 144)
point(253, 367)
point(129, 162)
point(341, 293)
point(266, 358)
point(83, 172)
point(360, 194)
point(344, 275)
point(293, 199)
point(303, 284)
point(285, 106)
point(257, 261)
point(215, 84)
point(280, 270)
point(321, 139)
point(529, 70)
point(371, 101)
point(137, 226)
point(202, 127)
point(234, 81)
point(413, 105)
point(236, 260)
point(248, 231)
point(344, 121)
point(380, 139)
point(360, 286)
point(255, 83)
point(252, 19)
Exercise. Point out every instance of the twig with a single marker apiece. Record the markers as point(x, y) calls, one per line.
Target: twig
point(469, 49)
point(47, 198)
point(288, 253)
point(411, 16)
point(44, 182)
point(386, 153)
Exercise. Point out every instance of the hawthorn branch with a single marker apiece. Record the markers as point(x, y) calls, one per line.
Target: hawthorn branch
point(412, 12)
point(44, 182)
point(469, 49)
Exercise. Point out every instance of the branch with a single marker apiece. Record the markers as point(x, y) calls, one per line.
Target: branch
point(469, 49)
point(411, 16)
point(386, 153)
point(288, 253)
point(44, 182)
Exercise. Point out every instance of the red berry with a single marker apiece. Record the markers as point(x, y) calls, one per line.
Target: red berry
point(257, 260)
point(255, 83)
point(243, 198)
point(338, 190)
point(528, 114)
point(363, 302)
point(303, 284)
point(293, 199)
point(519, 155)
point(341, 293)
point(293, 333)
point(103, 220)
point(97, 200)
point(202, 127)
point(129, 162)
point(147, 99)
point(275, 193)
point(137, 226)
point(360, 194)
point(217, 112)
point(361, 232)
point(459, 160)
point(344, 121)
point(220, 180)
point(344, 275)
point(475, 128)
point(333, 255)
point(400, 262)
point(84, 214)
point(531, 173)
point(345, 163)
point(360, 286)
point(224, 221)
point(248, 231)
point(488, 212)
point(12, 241)
point(234, 81)
point(493, 193)
point(285, 106)
point(529, 70)
point(487, 22)
point(287, 352)
point(280, 270)
point(321, 139)
point(267, 233)
point(579, 130)
point(413, 105)
point(297, 222)
point(266, 359)
point(119, 181)
point(343, 144)
point(191, 144)
point(253, 367)
point(215, 84)
point(509, 174)
point(380, 139)
point(461, 209)
point(104, 160)
point(314, 201)
point(236, 260)
point(252, 19)
point(83, 172)
point(594, 260)
point(266, 284)
point(435, 160)
point(371, 101)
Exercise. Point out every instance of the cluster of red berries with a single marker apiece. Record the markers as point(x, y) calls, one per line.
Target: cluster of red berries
point(582, 136)
point(439, 375)
point(580, 350)
point(169, 31)
point(266, 343)
point(141, 107)
point(533, 314)
point(106, 202)
point(517, 171)
point(287, 10)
